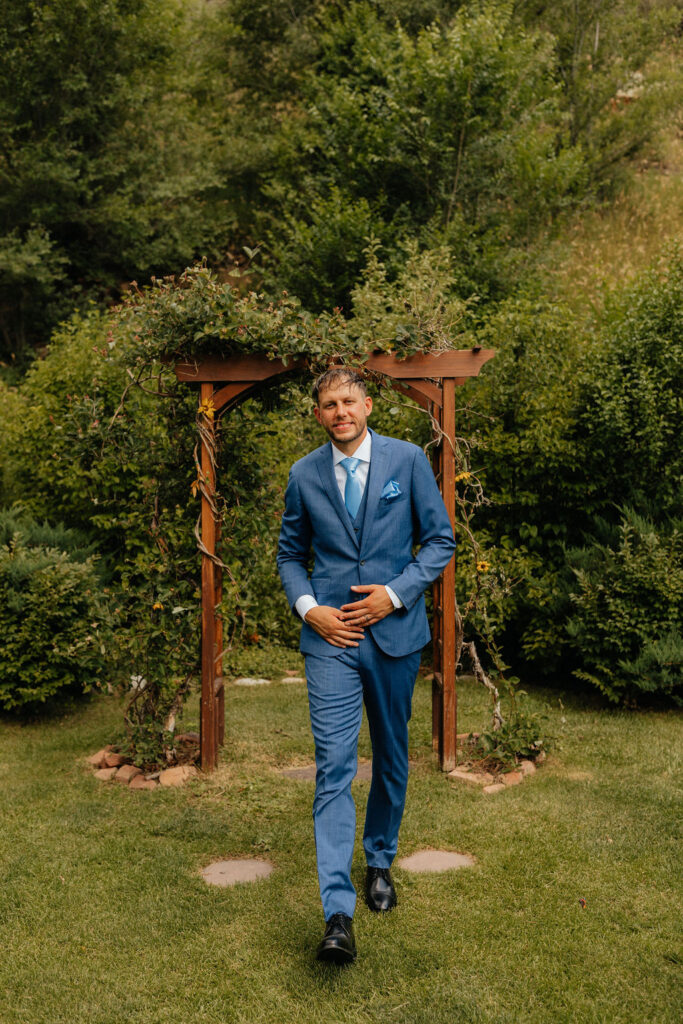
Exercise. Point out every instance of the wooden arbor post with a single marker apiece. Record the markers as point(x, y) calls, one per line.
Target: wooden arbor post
point(430, 380)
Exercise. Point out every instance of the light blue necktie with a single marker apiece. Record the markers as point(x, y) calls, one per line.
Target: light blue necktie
point(352, 491)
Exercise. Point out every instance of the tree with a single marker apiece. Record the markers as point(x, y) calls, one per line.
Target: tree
point(454, 134)
point(101, 176)
point(603, 49)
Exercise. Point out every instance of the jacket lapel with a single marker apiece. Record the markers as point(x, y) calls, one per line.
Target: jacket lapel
point(379, 461)
point(331, 488)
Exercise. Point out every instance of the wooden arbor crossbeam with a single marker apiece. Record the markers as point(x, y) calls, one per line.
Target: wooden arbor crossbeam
point(430, 379)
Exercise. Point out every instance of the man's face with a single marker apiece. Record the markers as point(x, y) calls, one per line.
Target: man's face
point(343, 412)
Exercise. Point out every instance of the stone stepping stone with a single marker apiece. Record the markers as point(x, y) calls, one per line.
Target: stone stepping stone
point(305, 772)
point(293, 679)
point(232, 872)
point(250, 681)
point(435, 861)
point(364, 773)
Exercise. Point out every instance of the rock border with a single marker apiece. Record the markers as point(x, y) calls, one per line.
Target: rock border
point(110, 766)
point(472, 775)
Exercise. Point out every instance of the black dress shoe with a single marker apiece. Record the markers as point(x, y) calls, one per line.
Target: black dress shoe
point(338, 945)
point(379, 890)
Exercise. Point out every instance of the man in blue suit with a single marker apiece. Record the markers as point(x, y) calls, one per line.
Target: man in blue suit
point(362, 503)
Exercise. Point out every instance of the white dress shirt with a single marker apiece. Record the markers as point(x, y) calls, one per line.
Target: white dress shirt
point(363, 453)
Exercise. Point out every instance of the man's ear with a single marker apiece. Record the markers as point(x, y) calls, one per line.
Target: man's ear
point(368, 405)
point(316, 413)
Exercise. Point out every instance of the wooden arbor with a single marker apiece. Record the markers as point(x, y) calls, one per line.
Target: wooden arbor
point(430, 380)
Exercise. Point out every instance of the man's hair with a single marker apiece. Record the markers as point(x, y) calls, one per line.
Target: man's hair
point(335, 376)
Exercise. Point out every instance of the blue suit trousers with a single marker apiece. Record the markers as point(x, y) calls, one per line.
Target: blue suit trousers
point(337, 689)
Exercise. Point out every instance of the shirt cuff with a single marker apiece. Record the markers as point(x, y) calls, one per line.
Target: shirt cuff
point(304, 604)
point(395, 600)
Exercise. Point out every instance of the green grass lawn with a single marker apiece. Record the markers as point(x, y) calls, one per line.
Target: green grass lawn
point(104, 917)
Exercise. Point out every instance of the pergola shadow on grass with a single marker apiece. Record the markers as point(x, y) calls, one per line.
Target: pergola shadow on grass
point(430, 379)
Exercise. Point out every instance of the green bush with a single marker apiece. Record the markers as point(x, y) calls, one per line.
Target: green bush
point(15, 525)
point(570, 423)
point(52, 625)
point(518, 416)
point(521, 736)
point(628, 609)
point(122, 484)
point(628, 412)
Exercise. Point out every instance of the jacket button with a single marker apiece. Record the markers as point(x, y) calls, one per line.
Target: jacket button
point(362, 561)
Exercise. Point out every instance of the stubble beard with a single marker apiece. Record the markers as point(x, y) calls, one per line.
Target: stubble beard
point(345, 439)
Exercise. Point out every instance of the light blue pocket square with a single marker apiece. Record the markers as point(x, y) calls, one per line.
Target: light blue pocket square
point(391, 490)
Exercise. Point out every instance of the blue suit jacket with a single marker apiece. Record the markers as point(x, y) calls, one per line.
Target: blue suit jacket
point(315, 517)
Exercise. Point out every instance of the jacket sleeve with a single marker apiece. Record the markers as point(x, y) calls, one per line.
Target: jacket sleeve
point(294, 547)
point(431, 530)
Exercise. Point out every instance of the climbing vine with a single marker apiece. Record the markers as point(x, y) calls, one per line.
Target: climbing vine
point(196, 315)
